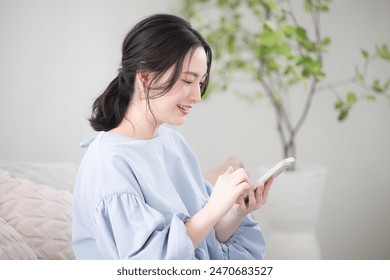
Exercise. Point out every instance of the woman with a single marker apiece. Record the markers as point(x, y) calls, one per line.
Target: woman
point(140, 193)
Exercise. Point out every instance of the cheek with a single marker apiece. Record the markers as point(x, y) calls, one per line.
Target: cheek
point(168, 101)
point(173, 97)
point(163, 105)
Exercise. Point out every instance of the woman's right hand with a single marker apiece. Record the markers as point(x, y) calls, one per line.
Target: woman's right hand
point(229, 186)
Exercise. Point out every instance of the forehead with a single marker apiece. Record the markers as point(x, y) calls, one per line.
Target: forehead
point(195, 63)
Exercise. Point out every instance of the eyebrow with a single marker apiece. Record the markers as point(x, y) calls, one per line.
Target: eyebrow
point(196, 75)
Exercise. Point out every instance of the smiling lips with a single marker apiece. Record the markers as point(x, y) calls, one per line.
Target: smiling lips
point(184, 108)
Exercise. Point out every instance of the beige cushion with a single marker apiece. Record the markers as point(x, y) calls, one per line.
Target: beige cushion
point(12, 246)
point(40, 214)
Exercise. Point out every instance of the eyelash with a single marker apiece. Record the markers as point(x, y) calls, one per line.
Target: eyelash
point(190, 82)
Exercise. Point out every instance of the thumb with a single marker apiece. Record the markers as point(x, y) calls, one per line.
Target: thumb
point(229, 170)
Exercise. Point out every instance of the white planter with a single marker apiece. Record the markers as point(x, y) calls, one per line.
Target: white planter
point(289, 217)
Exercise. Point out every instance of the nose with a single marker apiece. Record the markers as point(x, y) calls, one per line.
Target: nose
point(196, 94)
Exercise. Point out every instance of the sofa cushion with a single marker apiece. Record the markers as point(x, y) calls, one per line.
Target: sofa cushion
point(59, 175)
point(12, 246)
point(41, 215)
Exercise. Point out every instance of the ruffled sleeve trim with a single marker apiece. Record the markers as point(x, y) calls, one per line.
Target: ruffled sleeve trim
point(246, 243)
point(127, 228)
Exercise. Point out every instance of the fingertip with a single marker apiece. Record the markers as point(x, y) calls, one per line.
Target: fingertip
point(229, 170)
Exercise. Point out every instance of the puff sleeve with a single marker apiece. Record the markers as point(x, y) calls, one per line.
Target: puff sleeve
point(126, 228)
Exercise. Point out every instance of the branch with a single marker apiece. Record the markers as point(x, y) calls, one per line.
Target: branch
point(275, 104)
point(290, 12)
point(280, 108)
point(307, 105)
point(316, 22)
point(315, 15)
point(327, 86)
point(282, 120)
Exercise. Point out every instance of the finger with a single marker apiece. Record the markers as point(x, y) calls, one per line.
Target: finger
point(251, 202)
point(242, 188)
point(239, 176)
point(270, 181)
point(259, 194)
point(241, 201)
point(233, 161)
point(229, 170)
point(246, 204)
point(260, 188)
point(267, 188)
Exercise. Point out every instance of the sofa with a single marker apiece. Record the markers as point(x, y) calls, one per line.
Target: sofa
point(36, 210)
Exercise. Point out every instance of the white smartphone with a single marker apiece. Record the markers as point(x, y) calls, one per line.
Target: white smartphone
point(275, 171)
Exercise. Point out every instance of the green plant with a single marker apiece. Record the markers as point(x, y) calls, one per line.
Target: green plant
point(263, 38)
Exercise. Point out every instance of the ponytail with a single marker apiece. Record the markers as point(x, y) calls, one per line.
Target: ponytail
point(109, 108)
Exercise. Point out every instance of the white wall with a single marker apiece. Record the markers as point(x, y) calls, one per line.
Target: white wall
point(57, 56)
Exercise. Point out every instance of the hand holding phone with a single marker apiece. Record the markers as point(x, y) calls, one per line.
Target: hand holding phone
point(275, 171)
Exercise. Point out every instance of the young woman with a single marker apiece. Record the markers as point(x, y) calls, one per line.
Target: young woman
point(140, 193)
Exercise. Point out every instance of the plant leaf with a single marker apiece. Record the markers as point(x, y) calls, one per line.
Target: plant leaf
point(377, 87)
point(339, 104)
point(383, 52)
point(343, 114)
point(351, 98)
point(308, 5)
point(326, 41)
point(370, 97)
point(364, 53)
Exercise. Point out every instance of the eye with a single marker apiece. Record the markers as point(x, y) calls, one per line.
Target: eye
point(187, 82)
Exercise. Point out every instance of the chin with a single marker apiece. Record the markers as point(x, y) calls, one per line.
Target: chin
point(176, 122)
point(179, 123)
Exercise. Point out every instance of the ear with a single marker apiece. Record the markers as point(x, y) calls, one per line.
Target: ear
point(143, 79)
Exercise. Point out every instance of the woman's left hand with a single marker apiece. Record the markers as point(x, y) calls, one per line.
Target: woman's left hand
point(256, 199)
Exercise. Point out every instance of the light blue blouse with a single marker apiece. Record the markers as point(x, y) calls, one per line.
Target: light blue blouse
point(132, 198)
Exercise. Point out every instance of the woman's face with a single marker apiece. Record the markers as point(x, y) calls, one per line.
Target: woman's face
point(172, 107)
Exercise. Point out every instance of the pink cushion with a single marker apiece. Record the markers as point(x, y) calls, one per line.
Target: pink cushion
point(41, 215)
point(12, 246)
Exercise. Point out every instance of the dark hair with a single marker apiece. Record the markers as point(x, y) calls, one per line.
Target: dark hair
point(154, 44)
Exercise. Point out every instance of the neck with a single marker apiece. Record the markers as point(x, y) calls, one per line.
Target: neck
point(137, 124)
